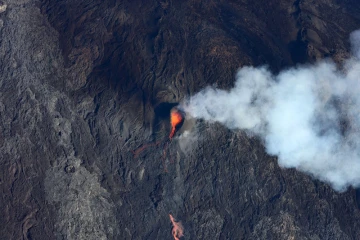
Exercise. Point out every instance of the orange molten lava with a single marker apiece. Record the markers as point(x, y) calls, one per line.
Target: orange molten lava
point(178, 230)
point(176, 118)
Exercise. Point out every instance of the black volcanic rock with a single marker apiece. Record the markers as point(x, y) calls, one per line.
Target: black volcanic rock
point(84, 83)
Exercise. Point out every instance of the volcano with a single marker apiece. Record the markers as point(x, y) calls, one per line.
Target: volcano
point(80, 82)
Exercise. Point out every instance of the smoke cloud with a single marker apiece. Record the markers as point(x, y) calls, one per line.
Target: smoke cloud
point(308, 116)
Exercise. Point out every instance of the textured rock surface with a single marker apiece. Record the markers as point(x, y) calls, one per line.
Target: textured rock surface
point(84, 83)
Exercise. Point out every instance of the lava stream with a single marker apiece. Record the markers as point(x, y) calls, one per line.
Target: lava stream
point(176, 119)
point(177, 230)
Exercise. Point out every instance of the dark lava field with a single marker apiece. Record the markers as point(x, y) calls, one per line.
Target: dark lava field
point(84, 84)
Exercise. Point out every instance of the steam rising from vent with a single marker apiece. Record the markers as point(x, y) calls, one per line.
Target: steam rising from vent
point(308, 116)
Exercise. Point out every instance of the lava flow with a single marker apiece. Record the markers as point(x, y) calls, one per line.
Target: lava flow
point(176, 119)
point(177, 230)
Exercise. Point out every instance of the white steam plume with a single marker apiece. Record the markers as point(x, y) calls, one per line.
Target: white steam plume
point(308, 116)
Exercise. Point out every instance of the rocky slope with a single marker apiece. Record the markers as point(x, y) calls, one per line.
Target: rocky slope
point(84, 83)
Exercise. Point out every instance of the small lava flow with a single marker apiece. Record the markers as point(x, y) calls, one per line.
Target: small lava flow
point(176, 120)
point(177, 230)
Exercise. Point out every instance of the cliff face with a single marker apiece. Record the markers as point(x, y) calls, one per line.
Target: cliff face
point(85, 83)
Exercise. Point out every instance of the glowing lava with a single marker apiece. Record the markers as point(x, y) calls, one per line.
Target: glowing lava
point(178, 230)
point(176, 118)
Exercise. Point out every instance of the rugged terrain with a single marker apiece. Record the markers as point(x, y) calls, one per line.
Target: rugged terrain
point(84, 83)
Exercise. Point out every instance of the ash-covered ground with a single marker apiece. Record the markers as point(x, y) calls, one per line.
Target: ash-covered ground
point(85, 83)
